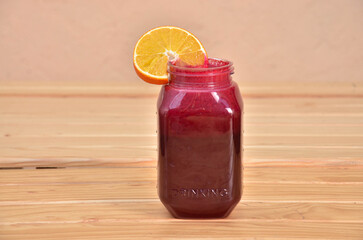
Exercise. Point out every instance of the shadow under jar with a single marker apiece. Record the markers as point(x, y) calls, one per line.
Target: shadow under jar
point(199, 141)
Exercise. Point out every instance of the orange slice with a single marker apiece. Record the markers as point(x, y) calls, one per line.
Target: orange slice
point(160, 45)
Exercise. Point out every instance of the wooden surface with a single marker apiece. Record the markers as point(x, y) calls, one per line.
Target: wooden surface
point(78, 162)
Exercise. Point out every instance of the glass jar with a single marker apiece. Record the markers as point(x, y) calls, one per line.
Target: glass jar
point(199, 141)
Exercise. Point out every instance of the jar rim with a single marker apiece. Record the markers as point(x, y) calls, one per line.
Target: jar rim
point(226, 65)
point(216, 75)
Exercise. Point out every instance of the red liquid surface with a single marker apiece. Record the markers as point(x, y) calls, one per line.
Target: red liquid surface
point(199, 162)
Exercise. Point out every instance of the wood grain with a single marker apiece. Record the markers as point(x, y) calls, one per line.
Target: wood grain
point(127, 157)
point(93, 211)
point(147, 190)
point(303, 163)
point(299, 174)
point(179, 229)
point(123, 183)
point(260, 89)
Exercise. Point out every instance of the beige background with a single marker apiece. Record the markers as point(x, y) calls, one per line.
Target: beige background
point(93, 40)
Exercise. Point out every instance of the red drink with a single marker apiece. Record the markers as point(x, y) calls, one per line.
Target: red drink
point(199, 165)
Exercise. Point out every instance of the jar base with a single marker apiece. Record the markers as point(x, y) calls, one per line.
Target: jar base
point(213, 214)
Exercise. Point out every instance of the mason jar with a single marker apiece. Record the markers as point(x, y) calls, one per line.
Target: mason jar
point(200, 141)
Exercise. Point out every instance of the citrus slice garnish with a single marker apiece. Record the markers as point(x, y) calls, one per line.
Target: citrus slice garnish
point(160, 45)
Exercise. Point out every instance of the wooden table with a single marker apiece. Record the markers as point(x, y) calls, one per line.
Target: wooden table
point(78, 162)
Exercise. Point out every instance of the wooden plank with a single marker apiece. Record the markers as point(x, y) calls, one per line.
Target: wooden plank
point(256, 191)
point(303, 119)
point(154, 210)
point(89, 103)
point(77, 89)
point(118, 139)
point(81, 191)
point(123, 115)
point(181, 229)
point(150, 102)
point(20, 106)
point(138, 128)
point(299, 174)
point(58, 156)
point(306, 120)
point(117, 107)
point(139, 88)
point(67, 161)
point(150, 142)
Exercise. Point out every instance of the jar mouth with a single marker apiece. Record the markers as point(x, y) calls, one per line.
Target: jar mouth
point(217, 74)
point(215, 65)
